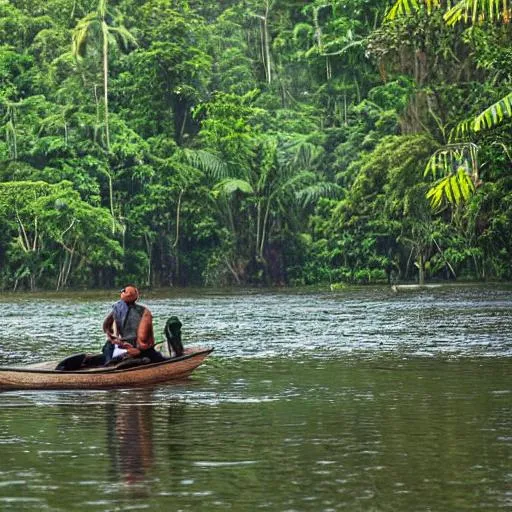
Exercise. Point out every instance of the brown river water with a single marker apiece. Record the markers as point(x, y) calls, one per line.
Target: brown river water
point(357, 400)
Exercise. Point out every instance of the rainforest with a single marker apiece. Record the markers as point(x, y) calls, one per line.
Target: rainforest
point(254, 142)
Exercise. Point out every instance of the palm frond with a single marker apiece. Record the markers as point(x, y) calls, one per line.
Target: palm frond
point(494, 115)
point(401, 8)
point(453, 189)
point(469, 11)
point(490, 118)
point(463, 130)
point(80, 35)
point(477, 11)
point(312, 193)
point(229, 186)
point(405, 7)
point(124, 35)
point(298, 153)
point(293, 183)
point(450, 158)
point(206, 162)
point(455, 167)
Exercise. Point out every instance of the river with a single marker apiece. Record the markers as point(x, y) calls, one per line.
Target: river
point(356, 400)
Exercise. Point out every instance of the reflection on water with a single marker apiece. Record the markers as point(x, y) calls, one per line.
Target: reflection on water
point(130, 431)
point(130, 437)
point(401, 404)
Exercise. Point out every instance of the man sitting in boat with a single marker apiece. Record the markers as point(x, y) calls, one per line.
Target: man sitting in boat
point(129, 329)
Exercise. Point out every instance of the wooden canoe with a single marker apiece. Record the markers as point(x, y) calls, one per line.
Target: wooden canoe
point(44, 375)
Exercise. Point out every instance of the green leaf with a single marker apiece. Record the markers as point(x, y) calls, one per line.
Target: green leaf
point(455, 190)
point(229, 186)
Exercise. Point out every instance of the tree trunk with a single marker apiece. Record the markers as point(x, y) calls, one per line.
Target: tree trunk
point(105, 82)
point(175, 245)
point(345, 110)
point(96, 99)
point(111, 199)
point(421, 269)
point(267, 46)
point(149, 253)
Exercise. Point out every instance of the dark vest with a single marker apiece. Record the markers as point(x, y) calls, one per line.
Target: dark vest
point(128, 331)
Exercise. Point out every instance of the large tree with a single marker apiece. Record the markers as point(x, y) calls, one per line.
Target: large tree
point(100, 28)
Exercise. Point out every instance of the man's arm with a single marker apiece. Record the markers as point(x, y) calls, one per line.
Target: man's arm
point(108, 327)
point(145, 337)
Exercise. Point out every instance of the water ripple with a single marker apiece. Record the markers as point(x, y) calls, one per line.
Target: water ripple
point(454, 322)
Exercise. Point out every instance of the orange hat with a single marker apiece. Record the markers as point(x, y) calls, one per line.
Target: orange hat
point(129, 294)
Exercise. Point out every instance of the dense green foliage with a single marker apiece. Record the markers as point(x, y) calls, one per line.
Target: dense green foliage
point(175, 142)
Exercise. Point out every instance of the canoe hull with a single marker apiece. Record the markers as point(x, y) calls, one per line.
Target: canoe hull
point(103, 378)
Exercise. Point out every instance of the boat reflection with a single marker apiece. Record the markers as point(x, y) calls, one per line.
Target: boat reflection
point(130, 437)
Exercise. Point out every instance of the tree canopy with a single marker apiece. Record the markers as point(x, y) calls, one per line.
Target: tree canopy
point(256, 142)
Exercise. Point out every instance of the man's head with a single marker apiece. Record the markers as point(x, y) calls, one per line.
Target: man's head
point(129, 294)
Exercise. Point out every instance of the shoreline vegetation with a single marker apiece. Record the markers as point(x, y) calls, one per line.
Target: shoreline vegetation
point(150, 294)
point(254, 144)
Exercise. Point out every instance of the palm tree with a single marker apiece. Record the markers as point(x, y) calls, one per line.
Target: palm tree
point(95, 29)
point(284, 176)
point(91, 31)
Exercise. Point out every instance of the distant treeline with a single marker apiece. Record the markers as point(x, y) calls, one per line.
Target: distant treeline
point(253, 142)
